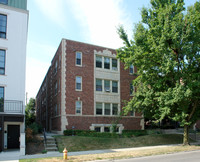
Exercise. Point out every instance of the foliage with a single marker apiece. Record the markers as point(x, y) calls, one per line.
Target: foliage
point(29, 134)
point(166, 51)
point(30, 112)
point(35, 127)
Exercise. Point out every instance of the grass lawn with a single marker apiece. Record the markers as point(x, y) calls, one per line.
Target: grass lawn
point(118, 155)
point(78, 143)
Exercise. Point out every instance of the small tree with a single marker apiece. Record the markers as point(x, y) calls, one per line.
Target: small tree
point(166, 51)
point(30, 115)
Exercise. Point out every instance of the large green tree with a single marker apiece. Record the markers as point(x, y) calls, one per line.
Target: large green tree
point(166, 51)
point(30, 115)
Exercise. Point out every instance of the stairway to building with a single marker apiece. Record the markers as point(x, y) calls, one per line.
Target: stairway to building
point(51, 144)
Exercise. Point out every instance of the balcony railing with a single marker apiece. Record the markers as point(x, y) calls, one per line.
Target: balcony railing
point(11, 106)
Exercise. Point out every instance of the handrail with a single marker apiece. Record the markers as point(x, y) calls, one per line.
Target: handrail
point(45, 138)
point(11, 106)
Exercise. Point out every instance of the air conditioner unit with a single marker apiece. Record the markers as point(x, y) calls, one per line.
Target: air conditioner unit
point(107, 89)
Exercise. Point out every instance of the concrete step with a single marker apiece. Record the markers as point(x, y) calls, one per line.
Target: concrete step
point(51, 148)
point(51, 145)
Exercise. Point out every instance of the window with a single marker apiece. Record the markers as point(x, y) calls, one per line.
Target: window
point(106, 85)
point(56, 67)
point(114, 64)
point(107, 109)
point(2, 62)
point(132, 113)
point(1, 98)
point(106, 63)
point(78, 107)
point(99, 109)
point(106, 129)
point(56, 88)
point(131, 69)
point(78, 83)
point(115, 109)
point(114, 86)
point(78, 58)
point(4, 1)
point(3, 24)
point(98, 61)
point(98, 85)
point(55, 110)
point(97, 129)
point(131, 89)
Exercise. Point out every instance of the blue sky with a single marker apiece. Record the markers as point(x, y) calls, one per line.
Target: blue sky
point(89, 21)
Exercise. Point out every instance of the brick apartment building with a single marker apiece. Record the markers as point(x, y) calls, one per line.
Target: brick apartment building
point(85, 88)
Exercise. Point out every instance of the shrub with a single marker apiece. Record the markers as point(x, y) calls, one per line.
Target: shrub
point(36, 128)
point(29, 134)
point(136, 133)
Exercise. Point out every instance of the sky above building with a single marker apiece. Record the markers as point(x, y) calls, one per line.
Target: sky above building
point(90, 21)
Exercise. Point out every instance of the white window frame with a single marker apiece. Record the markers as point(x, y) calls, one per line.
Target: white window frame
point(112, 64)
point(80, 108)
point(76, 82)
point(76, 58)
point(107, 91)
point(130, 69)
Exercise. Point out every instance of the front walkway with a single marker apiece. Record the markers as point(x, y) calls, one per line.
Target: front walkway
point(10, 155)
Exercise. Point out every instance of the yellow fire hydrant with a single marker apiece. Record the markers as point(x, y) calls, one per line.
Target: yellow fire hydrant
point(65, 154)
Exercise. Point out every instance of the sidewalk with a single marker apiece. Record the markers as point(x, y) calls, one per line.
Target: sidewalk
point(11, 156)
point(57, 154)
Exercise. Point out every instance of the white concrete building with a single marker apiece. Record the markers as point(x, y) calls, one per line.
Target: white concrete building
point(13, 41)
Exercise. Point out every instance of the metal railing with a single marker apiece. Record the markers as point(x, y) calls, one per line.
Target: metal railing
point(11, 106)
point(45, 138)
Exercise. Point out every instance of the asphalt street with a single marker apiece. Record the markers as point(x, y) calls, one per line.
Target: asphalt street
point(192, 156)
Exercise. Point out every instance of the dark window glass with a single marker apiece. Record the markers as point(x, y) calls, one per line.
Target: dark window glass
point(106, 85)
point(1, 98)
point(78, 83)
point(98, 108)
point(107, 109)
point(131, 69)
point(106, 129)
point(4, 1)
point(131, 89)
point(78, 58)
point(99, 61)
point(3, 24)
point(114, 86)
point(114, 64)
point(98, 85)
point(115, 109)
point(56, 88)
point(78, 107)
point(2, 62)
point(97, 129)
point(106, 63)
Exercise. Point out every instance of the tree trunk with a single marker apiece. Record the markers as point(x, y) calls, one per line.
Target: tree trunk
point(186, 135)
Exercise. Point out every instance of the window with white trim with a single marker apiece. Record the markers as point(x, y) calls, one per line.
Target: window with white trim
point(2, 61)
point(131, 69)
point(98, 61)
point(106, 85)
point(114, 109)
point(115, 86)
point(107, 109)
point(99, 108)
point(114, 64)
point(106, 63)
point(78, 58)
point(3, 1)
point(78, 107)
point(98, 85)
point(78, 83)
point(3, 25)
point(132, 89)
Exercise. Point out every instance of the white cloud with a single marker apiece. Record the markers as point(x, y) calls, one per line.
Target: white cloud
point(100, 19)
point(54, 10)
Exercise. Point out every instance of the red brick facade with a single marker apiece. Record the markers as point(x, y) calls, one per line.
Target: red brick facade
point(88, 117)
